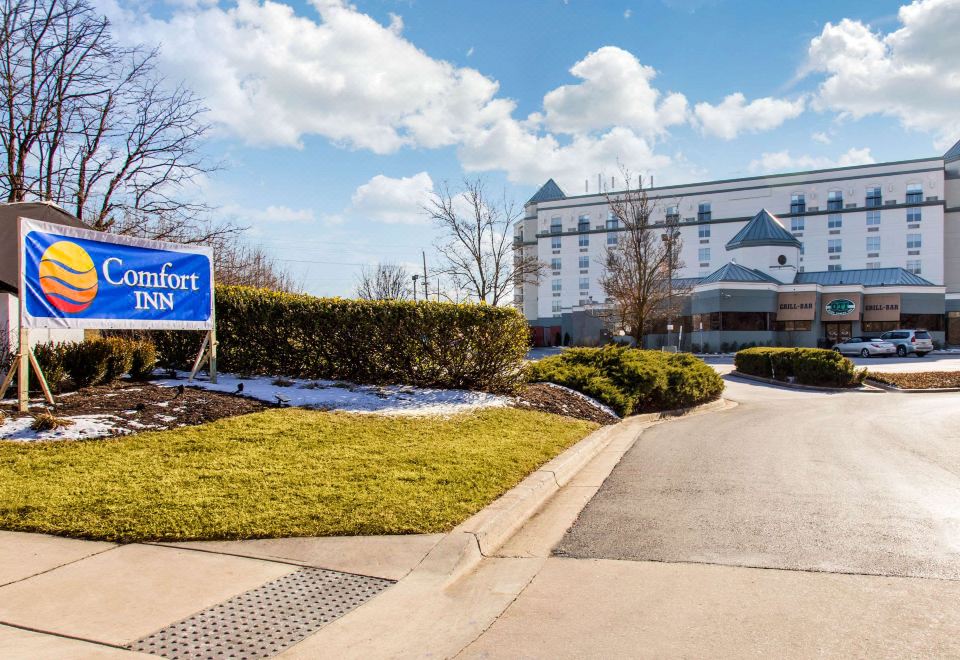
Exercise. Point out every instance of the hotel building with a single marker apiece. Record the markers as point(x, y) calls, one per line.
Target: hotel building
point(806, 258)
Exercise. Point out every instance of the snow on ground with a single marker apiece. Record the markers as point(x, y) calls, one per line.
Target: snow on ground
point(83, 427)
point(336, 395)
point(593, 402)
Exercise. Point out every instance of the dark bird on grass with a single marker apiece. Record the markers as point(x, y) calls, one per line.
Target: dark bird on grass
point(180, 390)
point(140, 407)
point(239, 388)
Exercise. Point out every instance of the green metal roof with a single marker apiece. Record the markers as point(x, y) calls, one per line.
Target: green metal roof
point(548, 192)
point(734, 272)
point(953, 153)
point(864, 277)
point(763, 229)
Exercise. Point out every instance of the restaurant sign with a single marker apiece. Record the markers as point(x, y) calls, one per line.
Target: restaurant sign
point(881, 307)
point(797, 306)
point(841, 307)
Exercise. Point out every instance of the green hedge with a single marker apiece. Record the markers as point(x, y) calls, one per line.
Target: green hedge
point(428, 344)
point(631, 380)
point(809, 366)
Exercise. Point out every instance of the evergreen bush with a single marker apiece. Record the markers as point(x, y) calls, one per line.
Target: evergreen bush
point(630, 380)
point(809, 366)
point(429, 344)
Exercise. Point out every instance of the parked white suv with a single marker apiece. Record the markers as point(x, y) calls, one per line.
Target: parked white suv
point(918, 342)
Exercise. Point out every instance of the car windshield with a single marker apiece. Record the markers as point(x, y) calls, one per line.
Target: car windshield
point(855, 340)
point(922, 334)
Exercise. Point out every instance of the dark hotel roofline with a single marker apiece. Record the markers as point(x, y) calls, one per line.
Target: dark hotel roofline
point(758, 178)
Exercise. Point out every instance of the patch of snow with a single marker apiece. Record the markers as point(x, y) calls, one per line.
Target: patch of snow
point(83, 427)
point(139, 425)
point(348, 397)
point(166, 418)
point(593, 402)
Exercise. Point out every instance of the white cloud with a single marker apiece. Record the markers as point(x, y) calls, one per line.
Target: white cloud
point(820, 137)
point(615, 91)
point(269, 215)
point(910, 73)
point(734, 115)
point(627, 13)
point(391, 200)
point(781, 161)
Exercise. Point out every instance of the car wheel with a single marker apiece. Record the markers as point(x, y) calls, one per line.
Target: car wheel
point(864, 353)
point(901, 351)
point(837, 350)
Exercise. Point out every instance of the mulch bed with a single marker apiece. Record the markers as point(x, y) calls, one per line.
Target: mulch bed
point(560, 401)
point(922, 380)
point(145, 407)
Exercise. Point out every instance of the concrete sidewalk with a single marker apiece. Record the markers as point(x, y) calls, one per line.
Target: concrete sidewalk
point(82, 599)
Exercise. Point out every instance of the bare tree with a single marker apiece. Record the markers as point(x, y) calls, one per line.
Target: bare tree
point(93, 127)
point(477, 246)
point(237, 263)
point(640, 272)
point(384, 282)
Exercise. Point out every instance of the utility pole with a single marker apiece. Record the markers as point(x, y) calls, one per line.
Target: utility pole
point(426, 290)
point(415, 278)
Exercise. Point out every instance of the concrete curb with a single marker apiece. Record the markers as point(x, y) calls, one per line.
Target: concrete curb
point(486, 531)
point(900, 390)
point(797, 386)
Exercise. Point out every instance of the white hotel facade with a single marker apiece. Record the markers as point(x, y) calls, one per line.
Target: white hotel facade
point(764, 256)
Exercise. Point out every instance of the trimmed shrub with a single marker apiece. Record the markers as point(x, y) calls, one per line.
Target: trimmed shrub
point(143, 360)
point(631, 380)
point(87, 361)
point(51, 359)
point(119, 359)
point(809, 366)
point(427, 344)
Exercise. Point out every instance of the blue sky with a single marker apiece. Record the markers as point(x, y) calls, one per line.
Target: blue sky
point(334, 120)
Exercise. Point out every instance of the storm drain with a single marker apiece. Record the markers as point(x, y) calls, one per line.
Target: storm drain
point(262, 622)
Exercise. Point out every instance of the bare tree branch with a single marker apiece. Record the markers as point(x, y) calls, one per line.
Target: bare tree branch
point(477, 244)
point(384, 282)
point(640, 271)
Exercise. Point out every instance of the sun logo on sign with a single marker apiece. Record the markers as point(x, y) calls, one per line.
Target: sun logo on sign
point(67, 277)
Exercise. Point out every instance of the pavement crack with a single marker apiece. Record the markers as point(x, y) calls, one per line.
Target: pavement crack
point(53, 568)
point(75, 638)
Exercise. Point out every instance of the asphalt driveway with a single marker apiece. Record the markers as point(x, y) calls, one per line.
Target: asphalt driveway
point(846, 483)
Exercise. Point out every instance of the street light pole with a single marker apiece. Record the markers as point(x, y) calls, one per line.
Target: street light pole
point(415, 278)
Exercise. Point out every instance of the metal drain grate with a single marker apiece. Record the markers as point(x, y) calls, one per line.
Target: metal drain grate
point(263, 621)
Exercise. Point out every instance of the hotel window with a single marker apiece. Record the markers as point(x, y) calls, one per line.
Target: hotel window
point(584, 240)
point(914, 241)
point(557, 285)
point(673, 213)
point(583, 223)
point(703, 212)
point(704, 231)
point(611, 239)
point(796, 224)
point(584, 283)
point(871, 265)
point(555, 242)
point(834, 246)
point(556, 225)
point(914, 214)
point(913, 265)
point(873, 218)
point(556, 306)
point(801, 248)
point(834, 200)
point(914, 193)
point(703, 254)
point(584, 262)
point(834, 267)
point(874, 197)
point(834, 221)
point(798, 204)
point(613, 222)
point(873, 243)
point(555, 263)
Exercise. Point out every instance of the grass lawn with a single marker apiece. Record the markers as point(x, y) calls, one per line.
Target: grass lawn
point(288, 472)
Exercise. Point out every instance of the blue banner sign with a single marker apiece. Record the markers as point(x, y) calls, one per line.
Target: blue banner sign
point(79, 278)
